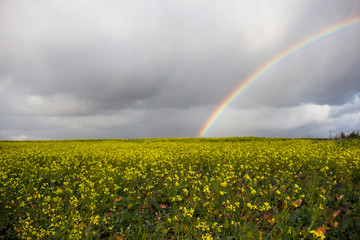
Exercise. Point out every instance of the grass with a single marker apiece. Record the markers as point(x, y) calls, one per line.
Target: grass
point(223, 188)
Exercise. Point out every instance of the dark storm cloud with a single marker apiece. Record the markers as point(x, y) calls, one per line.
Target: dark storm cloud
point(106, 55)
point(77, 69)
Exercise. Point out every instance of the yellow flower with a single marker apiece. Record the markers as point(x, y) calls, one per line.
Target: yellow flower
point(94, 219)
point(318, 234)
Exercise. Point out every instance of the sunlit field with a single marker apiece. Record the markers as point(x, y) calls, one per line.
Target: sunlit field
point(227, 188)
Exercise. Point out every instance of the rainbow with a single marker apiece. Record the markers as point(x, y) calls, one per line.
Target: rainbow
point(279, 58)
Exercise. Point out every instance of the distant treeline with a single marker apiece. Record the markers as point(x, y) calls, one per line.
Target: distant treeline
point(352, 135)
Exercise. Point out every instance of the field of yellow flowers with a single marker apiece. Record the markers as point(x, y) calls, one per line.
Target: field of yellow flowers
point(224, 188)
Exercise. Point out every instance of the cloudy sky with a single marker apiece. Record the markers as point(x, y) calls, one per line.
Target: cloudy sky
point(158, 68)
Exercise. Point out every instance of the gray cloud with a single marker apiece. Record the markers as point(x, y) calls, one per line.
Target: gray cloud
point(117, 67)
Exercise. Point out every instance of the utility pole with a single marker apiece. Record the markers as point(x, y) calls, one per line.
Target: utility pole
point(330, 134)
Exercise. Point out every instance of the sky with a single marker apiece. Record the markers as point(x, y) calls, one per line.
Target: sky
point(156, 68)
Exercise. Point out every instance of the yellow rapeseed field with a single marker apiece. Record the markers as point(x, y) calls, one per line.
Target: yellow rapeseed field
point(225, 188)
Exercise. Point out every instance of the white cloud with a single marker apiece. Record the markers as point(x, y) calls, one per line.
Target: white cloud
point(20, 138)
point(298, 121)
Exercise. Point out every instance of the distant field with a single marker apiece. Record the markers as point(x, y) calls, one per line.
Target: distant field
point(227, 188)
